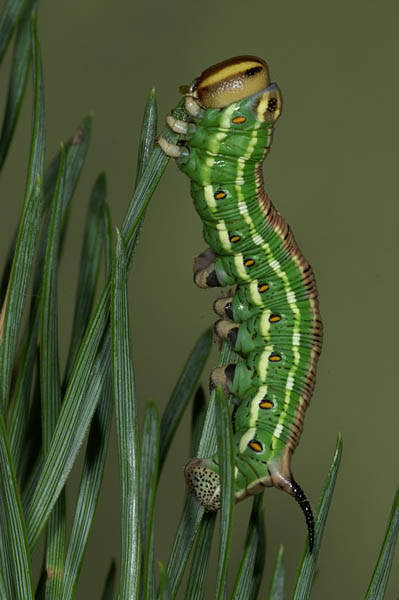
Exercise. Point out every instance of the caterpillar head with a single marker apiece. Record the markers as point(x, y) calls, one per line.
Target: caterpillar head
point(203, 482)
point(231, 80)
point(235, 79)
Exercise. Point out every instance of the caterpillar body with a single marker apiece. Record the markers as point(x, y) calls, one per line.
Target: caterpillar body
point(272, 319)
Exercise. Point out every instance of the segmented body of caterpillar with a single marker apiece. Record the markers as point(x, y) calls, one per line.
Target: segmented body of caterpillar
point(272, 319)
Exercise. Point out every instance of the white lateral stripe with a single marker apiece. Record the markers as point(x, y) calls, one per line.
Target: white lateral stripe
point(254, 412)
point(264, 362)
point(209, 197)
point(239, 264)
point(255, 294)
point(223, 235)
point(246, 438)
point(264, 322)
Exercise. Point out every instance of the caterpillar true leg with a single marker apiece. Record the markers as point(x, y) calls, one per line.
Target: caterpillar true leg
point(172, 150)
point(270, 315)
point(192, 107)
point(176, 125)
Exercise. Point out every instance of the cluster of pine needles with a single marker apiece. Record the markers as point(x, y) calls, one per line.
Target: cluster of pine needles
point(77, 405)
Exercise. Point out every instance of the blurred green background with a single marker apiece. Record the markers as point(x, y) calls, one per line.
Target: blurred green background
point(332, 173)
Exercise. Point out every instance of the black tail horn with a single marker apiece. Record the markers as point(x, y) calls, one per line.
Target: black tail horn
point(304, 503)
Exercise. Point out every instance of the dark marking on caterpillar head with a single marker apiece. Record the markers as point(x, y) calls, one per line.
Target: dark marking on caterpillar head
point(253, 71)
point(268, 105)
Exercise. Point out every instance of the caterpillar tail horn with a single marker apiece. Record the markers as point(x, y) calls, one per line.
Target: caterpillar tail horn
point(304, 503)
point(282, 479)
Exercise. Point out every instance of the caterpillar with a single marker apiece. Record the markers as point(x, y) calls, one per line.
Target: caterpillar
point(272, 318)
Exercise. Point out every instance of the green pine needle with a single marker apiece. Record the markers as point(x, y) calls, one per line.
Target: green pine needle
point(277, 585)
point(126, 426)
point(89, 490)
point(89, 268)
point(27, 234)
point(200, 562)
point(382, 570)
point(164, 584)
point(226, 469)
point(50, 384)
point(19, 76)
point(246, 578)
point(76, 150)
point(109, 585)
point(149, 469)
point(9, 16)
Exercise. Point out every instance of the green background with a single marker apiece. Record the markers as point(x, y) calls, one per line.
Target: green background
point(332, 173)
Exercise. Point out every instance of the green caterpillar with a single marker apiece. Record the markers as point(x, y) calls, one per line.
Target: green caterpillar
point(272, 320)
